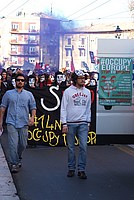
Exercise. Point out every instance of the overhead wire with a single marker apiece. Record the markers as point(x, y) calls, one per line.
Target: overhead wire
point(92, 9)
point(81, 9)
point(72, 13)
point(114, 14)
point(18, 7)
point(7, 5)
point(105, 17)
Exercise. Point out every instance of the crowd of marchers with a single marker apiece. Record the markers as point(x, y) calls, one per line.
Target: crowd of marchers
point(39, 80)
point(18, 110)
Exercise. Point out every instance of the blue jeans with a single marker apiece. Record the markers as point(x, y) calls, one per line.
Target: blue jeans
point(17, 140)
point(82, 134)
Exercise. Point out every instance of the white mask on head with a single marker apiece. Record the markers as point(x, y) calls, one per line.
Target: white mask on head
point(42, 79)
point(31, 82)
point(13, 82)
point(61, 78)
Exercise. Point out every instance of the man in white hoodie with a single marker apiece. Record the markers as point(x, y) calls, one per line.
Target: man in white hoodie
point(75, 116)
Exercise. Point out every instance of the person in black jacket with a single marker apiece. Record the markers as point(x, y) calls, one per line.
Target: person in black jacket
point(5, 84)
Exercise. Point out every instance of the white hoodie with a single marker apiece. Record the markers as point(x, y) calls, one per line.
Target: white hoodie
point(76, 105)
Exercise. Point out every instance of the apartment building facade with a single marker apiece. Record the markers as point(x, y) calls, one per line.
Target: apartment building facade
point(20, 40)
point(29, 40)
point(35, 39)
point(81, 44)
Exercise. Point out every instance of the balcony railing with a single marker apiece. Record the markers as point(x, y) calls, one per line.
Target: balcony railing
point(27, 42)
point(69, 46)
point(14, 30)
point(33, 41)
point(33, 31)
point(13, 41)
point(16, 63)
point(81, 46)
point(26, 53)
point(18, 31)
point(14, 52)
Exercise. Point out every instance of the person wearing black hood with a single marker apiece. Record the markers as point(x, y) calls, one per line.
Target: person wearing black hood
point(5, 84)
point(31, 81)
point(60, 79)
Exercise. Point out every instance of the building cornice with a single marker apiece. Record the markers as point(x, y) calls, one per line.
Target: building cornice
point(94, 32)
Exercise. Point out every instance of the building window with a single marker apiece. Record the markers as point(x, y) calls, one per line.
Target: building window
point(67, 64)
point(69, 41)
point(14, 60)
point(15, 26)
point(82, 41)
point(32, 38)
point(32, 60)
point(14, 37)
point(32, 27)
point(32, 49)
point(68, 52)
point(82, 52)
point(14, 49)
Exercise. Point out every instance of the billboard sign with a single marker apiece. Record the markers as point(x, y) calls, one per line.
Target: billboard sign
point(115, 84)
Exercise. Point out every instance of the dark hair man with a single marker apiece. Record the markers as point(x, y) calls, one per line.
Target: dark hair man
point(19, 104)
point(75, 115)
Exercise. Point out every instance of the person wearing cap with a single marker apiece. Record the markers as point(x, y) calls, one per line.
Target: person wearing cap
point(20, 104)
point(75, 116)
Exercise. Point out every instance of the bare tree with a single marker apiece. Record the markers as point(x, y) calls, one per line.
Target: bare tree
point(131, 7)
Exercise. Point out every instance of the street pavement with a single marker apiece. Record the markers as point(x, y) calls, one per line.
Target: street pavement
point(110, 171)
point(7, 188)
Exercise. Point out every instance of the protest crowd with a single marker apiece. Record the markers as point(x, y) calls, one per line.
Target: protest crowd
point(17, 104)
point(39, 79)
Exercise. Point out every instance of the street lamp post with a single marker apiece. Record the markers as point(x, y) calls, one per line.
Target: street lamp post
point(118, 32)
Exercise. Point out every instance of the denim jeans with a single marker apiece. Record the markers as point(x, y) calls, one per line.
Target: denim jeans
point(17, 140)
point(82, 134)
